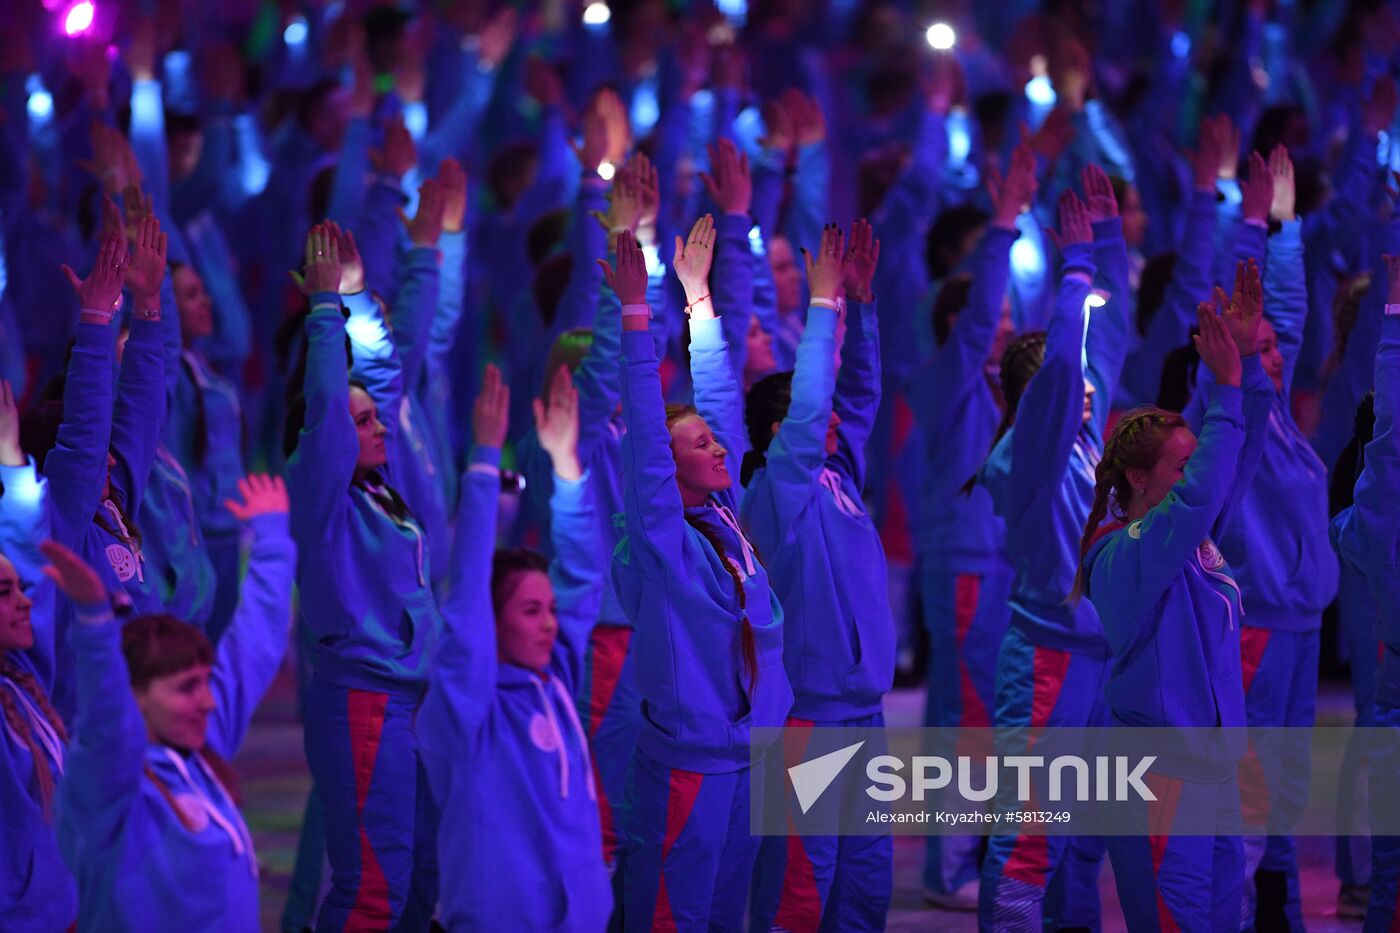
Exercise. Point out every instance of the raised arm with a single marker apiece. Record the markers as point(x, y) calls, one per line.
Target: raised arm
point(718, 397)
point(76, 467)
point(138, 417)
point(464, 665)
point(1051, 412)
point(417, 297)
point(321, 468)
point(654, 514)
point(1106, 344)
point(731, 281)
point(857, 394)
point(1375, 520)
point(251, 650)
point(452, 282)
point(577, 569)
point(1285, 279)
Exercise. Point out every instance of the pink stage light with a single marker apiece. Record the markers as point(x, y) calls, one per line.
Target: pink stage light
point(78, 19)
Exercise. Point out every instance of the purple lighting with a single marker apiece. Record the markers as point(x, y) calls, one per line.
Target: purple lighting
point(78, 19)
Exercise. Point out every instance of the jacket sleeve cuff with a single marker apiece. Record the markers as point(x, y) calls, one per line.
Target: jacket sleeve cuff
point(484, 456)
point(706, 334)
point(638, 345)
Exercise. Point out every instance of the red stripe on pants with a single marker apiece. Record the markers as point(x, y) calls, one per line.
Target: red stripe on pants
point(366, 713)
point(1254, 787)
point(1030, 858)
point(685, 787)
point(800, 905)
point(607, 650)
point(1160, 815)
point(972, 712)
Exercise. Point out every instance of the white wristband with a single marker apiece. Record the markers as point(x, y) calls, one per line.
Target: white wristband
point(1392, 309)
point(637, 310)
point(824, 303)
point(96, 315)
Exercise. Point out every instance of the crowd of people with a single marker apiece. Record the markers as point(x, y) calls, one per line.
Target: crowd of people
point(648, 374)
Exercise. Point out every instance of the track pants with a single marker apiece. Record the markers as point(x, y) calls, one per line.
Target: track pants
point(611, 706)
point(381, 822)
point(810, 883)
point(966, 615)
point(1194, 884)
point(1381, 911)
point(1280, 689)
point(1039, 687)
point(688, 854)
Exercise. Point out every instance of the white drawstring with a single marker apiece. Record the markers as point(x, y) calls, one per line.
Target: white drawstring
point(567, 702)
point(558, 736)
point(38, 723)
point(407, 522)
point(832, 481)
point(727, 517)
point(176, 474)
point(242, 842)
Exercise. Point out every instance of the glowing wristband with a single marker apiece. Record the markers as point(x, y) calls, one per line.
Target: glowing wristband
point(636, 310)
point(824, 303)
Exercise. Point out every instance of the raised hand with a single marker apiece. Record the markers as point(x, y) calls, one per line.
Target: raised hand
point(140, 52)
point(542, 82)
point(693, 258)
point(425, 226)
point(1075, 226)
point(1217, 349)
point(497, 36)
point(1098, 194)
point(352, 267)
point(780, 134)
point(1281, 208)
point(861, 260)
point(146, 270)
point(1257, 191)
point(629, 280)
point(615, 124)
point(321, 269)
point(113, 162)
point(398, 154)
point(102, 289)
point(1245, 309)
point(825, 270)
point(648, 183)
point(625, 205)
point(262, 495)
point(1228, 136)
point(11, 453)
point(491, 411)
point(72, 575)
point(1379, 109)
point(808, 121)
point(556, 425)
point(454, 195)
point(730, 186)
point(594, 150)
point(1013, 193)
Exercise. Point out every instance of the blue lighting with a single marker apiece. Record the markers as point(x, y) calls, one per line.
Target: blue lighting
point(645, 110)
point(1040, 91)
point(40, 100)
point(736, 11)
point(296, 32)
point(1181, 45)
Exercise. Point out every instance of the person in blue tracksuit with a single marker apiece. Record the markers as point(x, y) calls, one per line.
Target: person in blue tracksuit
point(147, 817)
point(96, 452)
point(373, 623)
point(1054, 659)
point(1283, 558)
point(205, 433)
point(505, 748)
point(1172, 612)
point(802, 504)
point(38, 893)
point(964, 575)
point(707, 626)
point(1366, 535)
point(176, 557)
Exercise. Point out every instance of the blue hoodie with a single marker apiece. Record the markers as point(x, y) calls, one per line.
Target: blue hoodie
point(505, 751)
point(1368, 533)
point(206, 403)
point(699, 701)
point(140, 864)
point(1282, 557)
point(175, 553)
point(390, 363)
point(958, 413)
point(37, 893)
point(1041, 473)
point(373, 619)
point(1168, 602)
point(804, 510)
point(76, 467)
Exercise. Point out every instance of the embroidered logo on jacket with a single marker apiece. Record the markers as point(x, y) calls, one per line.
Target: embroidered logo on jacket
point(543, 733)
point(192, 810)
point(1209, 555)
point(122, 560)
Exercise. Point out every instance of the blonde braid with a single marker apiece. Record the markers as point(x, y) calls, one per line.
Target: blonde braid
point(18, 721)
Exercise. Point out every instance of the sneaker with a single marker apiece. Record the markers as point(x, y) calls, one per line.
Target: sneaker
point(963, 899)
point(1352, 900)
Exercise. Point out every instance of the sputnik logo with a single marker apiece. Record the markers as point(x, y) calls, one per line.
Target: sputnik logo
point(810, 779)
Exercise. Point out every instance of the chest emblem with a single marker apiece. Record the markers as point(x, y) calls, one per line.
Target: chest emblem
point(1209, 555)
point(543, 733)
point(122, 560)
point(192, 812)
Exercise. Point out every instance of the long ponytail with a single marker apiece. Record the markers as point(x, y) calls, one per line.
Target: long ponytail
point(1135, 444)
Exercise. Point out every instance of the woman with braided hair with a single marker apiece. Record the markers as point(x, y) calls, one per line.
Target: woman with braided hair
point(708, 629)
point(1171, 610)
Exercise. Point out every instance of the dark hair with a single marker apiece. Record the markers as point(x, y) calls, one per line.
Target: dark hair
point(313, 99)
point(201, 417)
point(1178, 376)
point(1346, 305)
point(1020, 361)
point(747, 646)
point(1135, 444)
point(159, 645)
point(177, 122)
point(1152, 288)
point(951, 301)
point(568, 349)
point(505, 565)
point(878, 170)
point(318, 193)
point(944, 240)
point(1341, 489)
point(767, 403)
point(511, 161)
point(550, 282)
point(546, 235)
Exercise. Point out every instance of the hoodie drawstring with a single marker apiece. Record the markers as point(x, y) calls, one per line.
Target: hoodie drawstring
point(727, 517)
point(832, 481)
